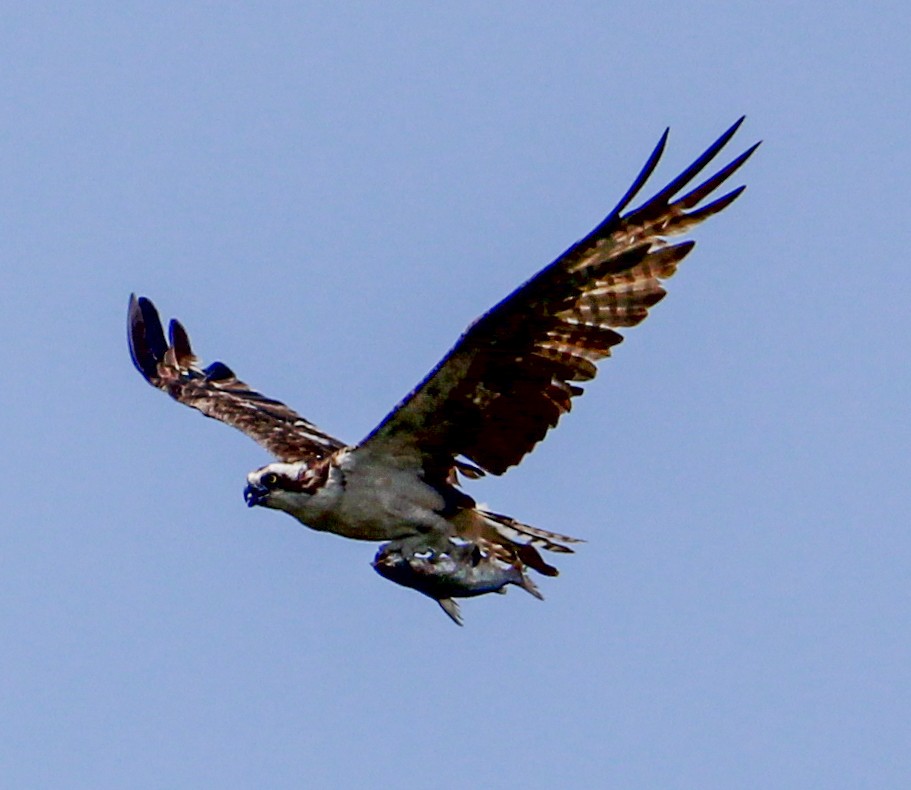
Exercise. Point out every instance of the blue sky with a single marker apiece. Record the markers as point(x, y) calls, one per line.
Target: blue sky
point(326, 194)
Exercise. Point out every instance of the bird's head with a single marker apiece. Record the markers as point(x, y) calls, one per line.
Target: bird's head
point(279, 485)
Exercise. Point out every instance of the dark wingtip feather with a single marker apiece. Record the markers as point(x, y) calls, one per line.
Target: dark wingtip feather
point(134, 336)
point(716, 205)
point(672, 254)
point(687, 175)
point(180, 342)
point(145, 336)
point(644, 174)
point(710, 184)
point(154, 332)
point(218, 371)
point(661, 199)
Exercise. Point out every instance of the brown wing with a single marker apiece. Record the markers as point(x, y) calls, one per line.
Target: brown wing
point(216, 391)
point(512, 375)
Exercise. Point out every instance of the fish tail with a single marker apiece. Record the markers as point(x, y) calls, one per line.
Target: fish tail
point(451, 608)
point(529, 586)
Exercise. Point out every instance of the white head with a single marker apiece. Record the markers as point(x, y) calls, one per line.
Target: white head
point(281, 486)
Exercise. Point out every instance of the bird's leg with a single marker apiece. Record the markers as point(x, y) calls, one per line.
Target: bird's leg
point(430, 543)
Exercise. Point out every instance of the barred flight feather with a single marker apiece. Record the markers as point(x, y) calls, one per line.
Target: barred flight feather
point(171, 366)
point(506, 382)
point(520, 533)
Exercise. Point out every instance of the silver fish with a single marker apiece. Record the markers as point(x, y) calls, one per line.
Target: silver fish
point(448, 571)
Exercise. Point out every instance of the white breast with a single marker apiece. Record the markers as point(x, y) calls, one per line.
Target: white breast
point(369, 501)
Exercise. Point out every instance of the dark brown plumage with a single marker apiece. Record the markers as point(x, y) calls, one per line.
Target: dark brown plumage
point(216, 391)
point(512, 375)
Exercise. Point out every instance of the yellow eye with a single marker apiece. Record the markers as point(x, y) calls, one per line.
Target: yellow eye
point(269, 480)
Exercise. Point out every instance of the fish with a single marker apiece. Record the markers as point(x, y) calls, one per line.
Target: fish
point(455, 568)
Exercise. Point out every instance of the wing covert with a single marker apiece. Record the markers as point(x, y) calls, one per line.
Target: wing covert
point(171, 366)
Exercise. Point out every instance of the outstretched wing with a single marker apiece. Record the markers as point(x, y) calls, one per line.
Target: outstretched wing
point(512, 375)
point(215, 391)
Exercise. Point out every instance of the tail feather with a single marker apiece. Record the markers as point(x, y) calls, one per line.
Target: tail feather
point(529, 555)
point(525, 535)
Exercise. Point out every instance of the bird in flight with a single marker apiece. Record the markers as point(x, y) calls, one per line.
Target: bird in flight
point(494, 396)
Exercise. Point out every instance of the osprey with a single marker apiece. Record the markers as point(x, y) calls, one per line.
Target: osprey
point(493, 397)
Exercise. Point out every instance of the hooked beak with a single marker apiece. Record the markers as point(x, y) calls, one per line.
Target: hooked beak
point(255, 495)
